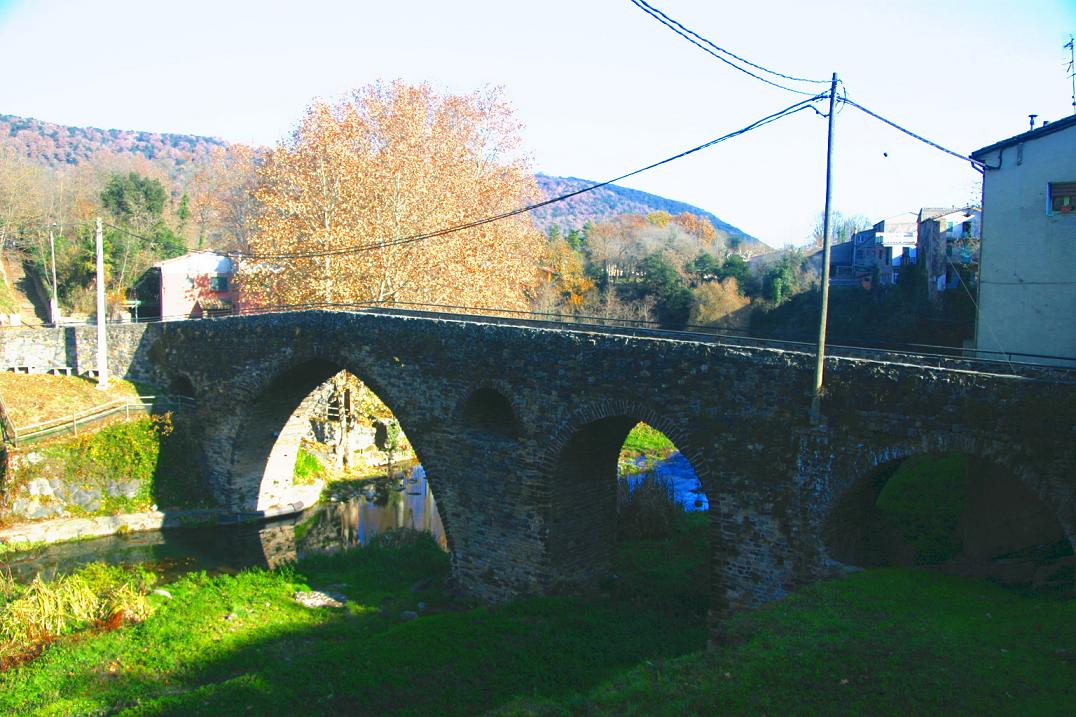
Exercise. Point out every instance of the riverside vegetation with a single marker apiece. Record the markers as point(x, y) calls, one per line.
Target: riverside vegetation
point(884, 641)
point(126, 467)
point(881, 641)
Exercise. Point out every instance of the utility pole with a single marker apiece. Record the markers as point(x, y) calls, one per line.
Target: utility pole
point(827, 230)
point(1072, 70)
point(102, 334)
point(54, 307)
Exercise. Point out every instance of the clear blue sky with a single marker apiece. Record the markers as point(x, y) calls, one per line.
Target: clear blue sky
point(600, 87)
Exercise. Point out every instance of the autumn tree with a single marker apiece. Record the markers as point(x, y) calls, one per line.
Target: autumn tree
point(389, 162)
point(222, 204)
point(720, 303)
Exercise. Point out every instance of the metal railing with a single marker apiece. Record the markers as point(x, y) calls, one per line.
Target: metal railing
point(82, 419)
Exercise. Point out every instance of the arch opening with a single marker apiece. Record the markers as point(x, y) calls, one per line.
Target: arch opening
point(318, 433)
point(488, 411)
point(955, 513)
point(629, 515)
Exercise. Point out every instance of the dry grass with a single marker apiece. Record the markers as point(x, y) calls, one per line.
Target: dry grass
point(41, 397)
point(97, 595)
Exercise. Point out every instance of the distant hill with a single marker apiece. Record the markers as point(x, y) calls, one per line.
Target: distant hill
point(608, 202)
point(53, 145)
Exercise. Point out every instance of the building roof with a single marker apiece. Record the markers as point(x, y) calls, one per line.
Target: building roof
point(841, 253)
point(928, 213)
point(184, 258)
point(1037, 133)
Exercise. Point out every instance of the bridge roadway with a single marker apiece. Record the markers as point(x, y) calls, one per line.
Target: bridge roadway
point(519, 424)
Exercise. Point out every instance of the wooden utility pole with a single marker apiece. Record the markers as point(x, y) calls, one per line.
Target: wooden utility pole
point(827, 230)
point(1072, 69)
point(54, 307)
point(102, 333)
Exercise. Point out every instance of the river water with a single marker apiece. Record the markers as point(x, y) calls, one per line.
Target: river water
point(338, 524)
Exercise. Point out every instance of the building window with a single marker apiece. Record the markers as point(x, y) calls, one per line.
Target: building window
point(218, 283)
point(1063, 197)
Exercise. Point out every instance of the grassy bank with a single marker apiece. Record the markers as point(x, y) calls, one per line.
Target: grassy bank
point(643, 447)
point(880, 642)
point(41, 397)
point(150, 455)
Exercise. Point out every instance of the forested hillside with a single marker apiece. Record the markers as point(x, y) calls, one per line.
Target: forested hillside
point(54, 145)
point(613, 252)
point(611, 201)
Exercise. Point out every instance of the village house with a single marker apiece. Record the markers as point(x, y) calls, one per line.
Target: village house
point(885, 248)
point(188, 286)
point(1027, 289)
point(948, 244)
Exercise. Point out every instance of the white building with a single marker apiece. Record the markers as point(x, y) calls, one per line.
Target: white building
point(1027, 263)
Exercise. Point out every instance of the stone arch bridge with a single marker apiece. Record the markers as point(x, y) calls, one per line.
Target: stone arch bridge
point(519, 427)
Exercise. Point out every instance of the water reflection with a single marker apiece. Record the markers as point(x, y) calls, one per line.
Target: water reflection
point(327, 527)
point(687, 488)
point(347, 522)
point(406, 503)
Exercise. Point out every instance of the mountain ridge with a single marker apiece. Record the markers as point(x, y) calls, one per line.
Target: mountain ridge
point(54, 145)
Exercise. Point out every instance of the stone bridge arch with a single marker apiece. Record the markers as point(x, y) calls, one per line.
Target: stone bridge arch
point(581, 463)
point(1047, 480)
point(267, 418)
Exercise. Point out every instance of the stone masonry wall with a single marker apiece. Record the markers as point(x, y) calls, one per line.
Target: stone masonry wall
point(75, 347)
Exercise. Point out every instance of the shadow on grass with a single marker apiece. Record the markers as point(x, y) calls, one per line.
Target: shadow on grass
point(241, 645)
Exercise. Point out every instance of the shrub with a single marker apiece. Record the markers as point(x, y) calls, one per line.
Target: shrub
point(647, 507)
point(98, 594)
point(308, 468)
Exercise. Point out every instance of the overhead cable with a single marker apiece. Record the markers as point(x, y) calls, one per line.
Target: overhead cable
point(974, 162)
point(719, 52)
point(385, 244)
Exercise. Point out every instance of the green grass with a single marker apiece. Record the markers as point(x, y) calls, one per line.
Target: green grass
point(308, 468)
point(643, 447)
point(883, 641)
point(648, 441)
point(33, 614)
point(925, 498)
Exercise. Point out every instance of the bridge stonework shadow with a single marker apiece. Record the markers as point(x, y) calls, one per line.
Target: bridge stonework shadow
point(518, 429)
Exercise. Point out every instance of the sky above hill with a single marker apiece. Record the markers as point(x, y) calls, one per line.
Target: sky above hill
point(600, 87)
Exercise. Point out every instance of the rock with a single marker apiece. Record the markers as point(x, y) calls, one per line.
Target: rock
point(422, 607)
point(39, 486)
point(89, 499)
point(318, 598)
point(163, 593)
point(46, 511)
point(420, 585)
point(408, 615)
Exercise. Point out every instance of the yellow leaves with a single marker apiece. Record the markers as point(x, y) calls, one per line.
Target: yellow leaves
point(720, 304)
point(393, 161)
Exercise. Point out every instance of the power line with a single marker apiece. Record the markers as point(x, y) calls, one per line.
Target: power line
point(790, 110)
point(980, 166)
point(718, 52)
